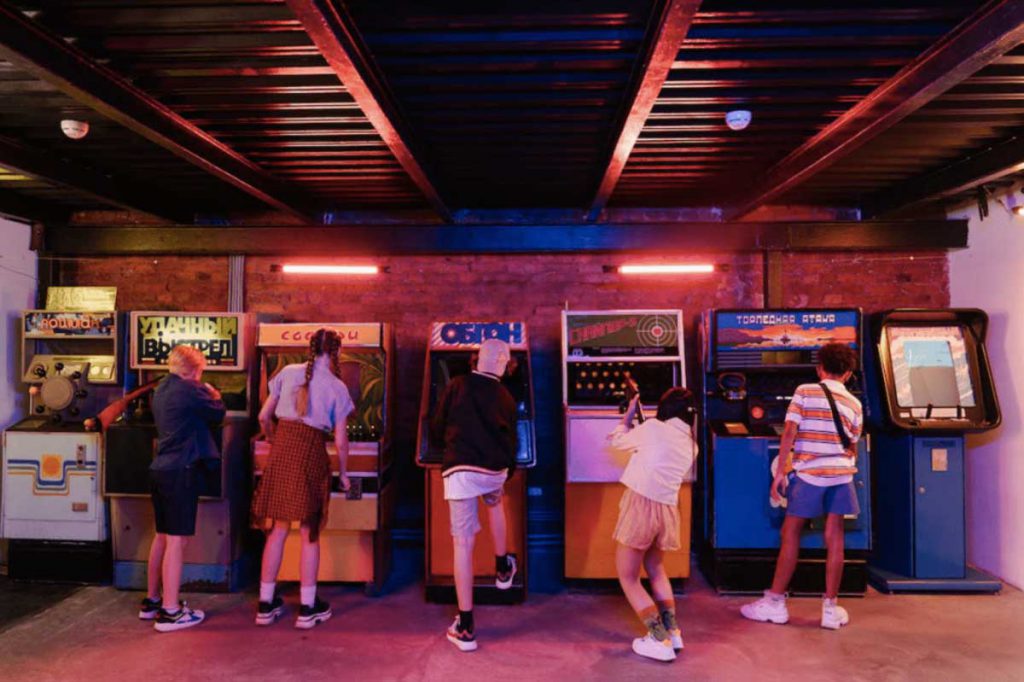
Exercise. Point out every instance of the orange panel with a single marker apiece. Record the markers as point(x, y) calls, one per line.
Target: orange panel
point(591, 510)
point(345, 556)
point(439, 539)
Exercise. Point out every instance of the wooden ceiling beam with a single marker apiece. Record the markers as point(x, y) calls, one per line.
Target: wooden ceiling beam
point(51, 168)
point(671, 22)
point(49, 57)
point(333, 31)
point(989, 165)
point(982, 38)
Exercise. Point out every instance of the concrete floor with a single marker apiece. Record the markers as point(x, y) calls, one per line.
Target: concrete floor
point(94, 634)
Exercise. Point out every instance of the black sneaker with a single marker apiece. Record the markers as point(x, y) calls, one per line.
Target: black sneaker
point(269, 611)
point(184, 618)
point(149, 609)
point(503, 580)
point(311, 616)
point(465, 640)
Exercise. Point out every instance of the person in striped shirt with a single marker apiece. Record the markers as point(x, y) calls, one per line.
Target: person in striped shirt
point(815, 475)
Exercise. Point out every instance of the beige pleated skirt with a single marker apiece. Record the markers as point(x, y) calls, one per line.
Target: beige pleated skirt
point(644, 523)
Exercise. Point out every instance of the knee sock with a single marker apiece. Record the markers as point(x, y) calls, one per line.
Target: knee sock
point(652, 619)
point(307, 595)
point(668, 614)
point(466, 620)
point(267, 591)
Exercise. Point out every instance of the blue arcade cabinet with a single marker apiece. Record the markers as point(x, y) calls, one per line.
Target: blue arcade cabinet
point(931, 384)
point(753, 361)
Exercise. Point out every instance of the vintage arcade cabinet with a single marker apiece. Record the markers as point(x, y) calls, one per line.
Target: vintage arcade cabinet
point(213, 559)
point(355, 546)
point(52, 509)
point(933, 384)
point(753, 362)
point(601, 350)
point(451, 353)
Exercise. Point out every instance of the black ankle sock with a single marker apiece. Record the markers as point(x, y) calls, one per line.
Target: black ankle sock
point(501, 563)
point(466, 620)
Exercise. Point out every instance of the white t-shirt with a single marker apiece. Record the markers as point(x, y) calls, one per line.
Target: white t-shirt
point(463, 485)
point(662, 460)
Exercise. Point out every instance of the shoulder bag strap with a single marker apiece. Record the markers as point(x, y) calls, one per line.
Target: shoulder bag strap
point(843, 436)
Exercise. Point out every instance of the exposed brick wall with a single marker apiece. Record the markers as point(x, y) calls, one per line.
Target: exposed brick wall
point(870, 280)
point(419, 290)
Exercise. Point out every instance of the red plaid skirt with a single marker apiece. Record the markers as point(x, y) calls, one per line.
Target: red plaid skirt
point(296, 483)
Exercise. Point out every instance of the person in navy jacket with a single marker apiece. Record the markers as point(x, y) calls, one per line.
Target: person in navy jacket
point(184, 410)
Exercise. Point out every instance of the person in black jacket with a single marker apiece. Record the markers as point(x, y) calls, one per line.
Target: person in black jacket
point(184, 410)
point(475, 423)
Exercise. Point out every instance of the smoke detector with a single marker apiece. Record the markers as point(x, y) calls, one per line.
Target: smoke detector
point(76, 130)
point(738, 119)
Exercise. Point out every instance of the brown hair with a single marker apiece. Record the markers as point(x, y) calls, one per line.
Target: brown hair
point(837, 359)
point(323, 342)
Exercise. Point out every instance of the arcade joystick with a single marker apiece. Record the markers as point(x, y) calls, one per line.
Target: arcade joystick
point(59, 366)
point(39, 371)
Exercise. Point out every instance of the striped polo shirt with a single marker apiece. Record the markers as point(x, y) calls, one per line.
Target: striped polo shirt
point(818, 455)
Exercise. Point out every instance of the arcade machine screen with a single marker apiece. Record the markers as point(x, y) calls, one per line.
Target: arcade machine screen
point(363, 373)
point(931, 369)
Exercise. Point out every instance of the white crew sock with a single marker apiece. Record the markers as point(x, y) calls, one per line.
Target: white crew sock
point(267, 591)
point(774, 597)
point(829, 602)
point(307, 595)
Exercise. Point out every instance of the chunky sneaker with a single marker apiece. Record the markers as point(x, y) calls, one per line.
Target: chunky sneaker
point(311, 616)
point(465, 640)
point(652, 648)
point(269, 611)
point(833, 616)
point(149, 609)
point(766, 610)
point(503, 580)
point(184, 618)
point(676, 637)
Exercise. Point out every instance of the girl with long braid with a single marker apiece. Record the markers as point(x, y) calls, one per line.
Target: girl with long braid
point(307, 401)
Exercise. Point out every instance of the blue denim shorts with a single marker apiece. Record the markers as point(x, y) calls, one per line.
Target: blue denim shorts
point(809, 501)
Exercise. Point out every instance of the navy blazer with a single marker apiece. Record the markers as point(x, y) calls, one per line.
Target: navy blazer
point(184, 412)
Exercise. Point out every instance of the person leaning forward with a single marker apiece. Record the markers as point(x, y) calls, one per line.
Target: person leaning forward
point(475, 424)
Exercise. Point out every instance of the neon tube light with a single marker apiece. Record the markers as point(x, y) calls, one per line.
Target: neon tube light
point(668, 269)
point(296, 269)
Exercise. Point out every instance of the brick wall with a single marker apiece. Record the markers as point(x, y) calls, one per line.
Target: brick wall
point(419, 290)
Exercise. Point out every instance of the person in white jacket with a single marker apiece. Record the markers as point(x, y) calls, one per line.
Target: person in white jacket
point(664, 451)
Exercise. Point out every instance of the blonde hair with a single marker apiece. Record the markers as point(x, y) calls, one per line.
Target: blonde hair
point(185, 360)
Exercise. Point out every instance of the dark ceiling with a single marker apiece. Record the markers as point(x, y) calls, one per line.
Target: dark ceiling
point(214, 110)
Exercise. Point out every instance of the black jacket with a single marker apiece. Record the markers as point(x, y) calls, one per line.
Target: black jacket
point(475, 423)
point(184, 411)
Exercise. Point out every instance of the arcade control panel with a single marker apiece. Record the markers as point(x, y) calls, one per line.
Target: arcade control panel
point(96, 369)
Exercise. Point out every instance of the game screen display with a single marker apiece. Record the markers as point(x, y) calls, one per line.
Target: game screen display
point(930, 367)
point(751, 338)
point(622, 334)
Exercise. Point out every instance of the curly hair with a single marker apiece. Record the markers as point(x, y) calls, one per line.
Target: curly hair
point(323, 342)
point(837, 358)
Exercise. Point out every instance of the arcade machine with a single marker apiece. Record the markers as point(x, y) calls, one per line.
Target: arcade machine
point(933, 386)
point(213, 559)
point(753, 362)
point(601, 352)
point(52, 510)
point(451, 353)
point(355, 545)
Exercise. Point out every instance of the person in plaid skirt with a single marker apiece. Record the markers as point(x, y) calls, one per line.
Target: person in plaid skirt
point(307, 401)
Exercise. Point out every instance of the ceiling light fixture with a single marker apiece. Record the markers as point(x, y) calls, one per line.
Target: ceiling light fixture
point(76, 130)
point(738, 119)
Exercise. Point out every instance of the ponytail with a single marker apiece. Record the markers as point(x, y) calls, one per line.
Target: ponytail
point(323, 341)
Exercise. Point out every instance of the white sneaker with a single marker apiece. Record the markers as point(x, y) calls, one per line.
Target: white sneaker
point(184, 618)
point(766, 610)
point(652, 648)
point(676, 637)
point(833, 616)
point(503, 581)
